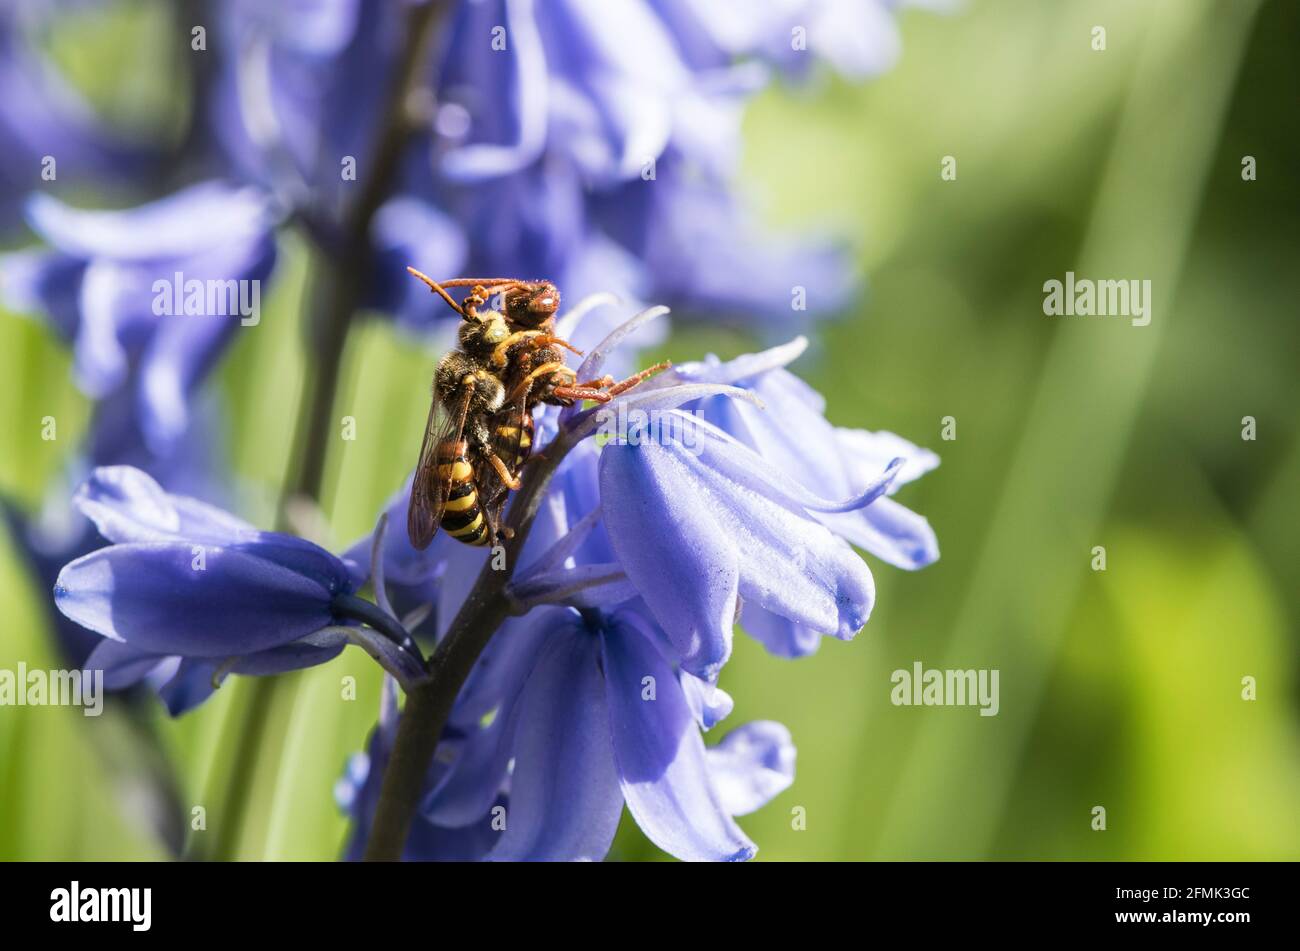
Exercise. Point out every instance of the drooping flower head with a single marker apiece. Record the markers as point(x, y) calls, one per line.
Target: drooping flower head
point(791, 434)
point(188, 593)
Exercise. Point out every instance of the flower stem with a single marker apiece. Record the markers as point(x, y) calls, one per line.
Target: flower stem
point(341, 280)
point(338, 290)
point(367, 612)
point(429, 705)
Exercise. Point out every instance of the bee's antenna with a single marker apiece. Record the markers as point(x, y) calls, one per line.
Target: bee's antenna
point(437, 289)
point(485, 281)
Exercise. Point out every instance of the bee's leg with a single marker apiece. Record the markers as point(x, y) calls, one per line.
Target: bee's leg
point(501, 352)
point(523, 424)
point(507, 478)
point(585, 389)
point(605, 389)
point(622, 386)
point(492, 511)
point(602, 383)
point(576, 392)
point(540, 338)
point(526, 384)
point(550, 340)
point(503, 530)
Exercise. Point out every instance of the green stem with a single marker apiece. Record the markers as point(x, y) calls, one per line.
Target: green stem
point(339, 283)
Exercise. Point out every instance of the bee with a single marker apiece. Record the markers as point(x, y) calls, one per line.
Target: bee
point(532, 379)
point(456, 441)
point(467, 392)
point(479, 431)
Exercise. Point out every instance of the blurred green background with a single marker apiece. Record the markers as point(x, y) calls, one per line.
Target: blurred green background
point(1119, 689)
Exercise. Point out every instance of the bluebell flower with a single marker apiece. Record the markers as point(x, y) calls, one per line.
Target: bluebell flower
point(552, 146)
point(702, 525)
point(792, 434)
point(646, 547)
point(55, 533)
point(357, 794)
point(295, 106)
point(522, 80)
point(147, 300)
point(571, 152)
point(603, 721)
point(791, 430)
point(192, 591)
point(574, 716)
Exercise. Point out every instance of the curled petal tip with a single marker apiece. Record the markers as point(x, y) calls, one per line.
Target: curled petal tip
point(874, 490)
point(596, 359)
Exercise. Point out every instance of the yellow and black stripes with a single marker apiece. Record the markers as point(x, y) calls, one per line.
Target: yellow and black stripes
point(513, 442)
point(462, 516)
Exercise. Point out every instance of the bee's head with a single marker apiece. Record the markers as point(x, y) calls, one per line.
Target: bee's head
point(530, 305)
point(483, 329)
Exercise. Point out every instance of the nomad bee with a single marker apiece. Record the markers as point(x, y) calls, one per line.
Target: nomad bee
point(480, 427)
point(525, 325)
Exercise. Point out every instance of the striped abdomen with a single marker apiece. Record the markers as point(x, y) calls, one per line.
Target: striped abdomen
point(462, 516)
point(513, 442)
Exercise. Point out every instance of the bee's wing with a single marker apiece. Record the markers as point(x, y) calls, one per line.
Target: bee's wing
point(428, 489)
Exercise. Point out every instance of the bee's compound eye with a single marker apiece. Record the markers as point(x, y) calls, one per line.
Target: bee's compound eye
point(547, 301)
